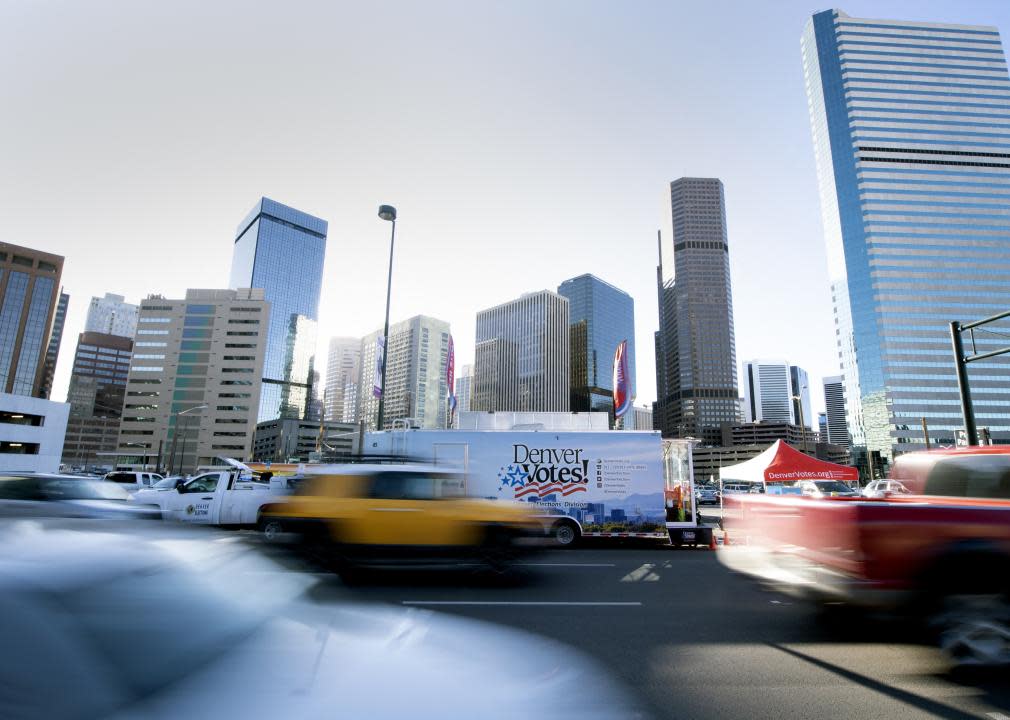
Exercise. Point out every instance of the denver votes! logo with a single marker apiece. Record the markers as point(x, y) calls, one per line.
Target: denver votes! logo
point(541, 472)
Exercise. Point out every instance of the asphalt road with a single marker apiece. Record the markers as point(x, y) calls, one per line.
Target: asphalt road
point(695, 641)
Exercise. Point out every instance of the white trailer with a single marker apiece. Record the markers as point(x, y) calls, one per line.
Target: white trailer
point(593, 484)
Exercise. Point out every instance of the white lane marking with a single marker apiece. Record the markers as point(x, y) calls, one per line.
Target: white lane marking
point(642, 574)
point(997, 716)
point(517, 603)
point(568, 564)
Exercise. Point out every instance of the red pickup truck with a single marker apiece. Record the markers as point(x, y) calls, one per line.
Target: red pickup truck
point(940, 554)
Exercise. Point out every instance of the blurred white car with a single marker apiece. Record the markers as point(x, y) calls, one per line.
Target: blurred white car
point(170, 622)
point(880, 488)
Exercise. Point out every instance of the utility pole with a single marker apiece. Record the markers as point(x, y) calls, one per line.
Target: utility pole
point(925, 433)
point(961, 363)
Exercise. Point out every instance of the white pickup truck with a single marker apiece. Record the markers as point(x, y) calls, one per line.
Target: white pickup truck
point(221, 497)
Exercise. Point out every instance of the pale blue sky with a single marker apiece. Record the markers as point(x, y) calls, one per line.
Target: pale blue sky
point(522, 142)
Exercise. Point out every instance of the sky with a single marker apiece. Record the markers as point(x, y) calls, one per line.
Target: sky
point(522, 143)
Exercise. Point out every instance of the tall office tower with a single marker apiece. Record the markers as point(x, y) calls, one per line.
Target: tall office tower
point(112, 315)
point(53, 349)
point(464, 389)
point(799, 389)
point(695, 346)
point(822, 427)
point(194, 384)
point(96, 396)
point(343, 370)
point(29, 280)
point(521, 361)
point(600, 317)
point(415, 374)
point(834, 405)
point(767, 391)
point(281, 251)
point(910, 137)
point(775, 391)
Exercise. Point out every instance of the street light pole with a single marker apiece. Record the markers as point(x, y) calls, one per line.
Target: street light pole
point(175, 435)
point(388, 213)
point(803, 428)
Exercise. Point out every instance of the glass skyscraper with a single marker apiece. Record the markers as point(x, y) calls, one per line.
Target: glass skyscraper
point(601, 317)
point(696, 382)
point(911, 130)
point(281, 250)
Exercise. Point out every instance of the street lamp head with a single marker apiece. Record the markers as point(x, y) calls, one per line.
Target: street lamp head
point(387, 212)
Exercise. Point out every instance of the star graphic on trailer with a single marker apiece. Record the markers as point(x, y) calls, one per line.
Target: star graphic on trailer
point(514, 476)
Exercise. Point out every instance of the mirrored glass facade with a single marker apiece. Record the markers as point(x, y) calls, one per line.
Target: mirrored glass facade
point(601, 317)
point(911, 130)
point(29, 290)
point(281, 250)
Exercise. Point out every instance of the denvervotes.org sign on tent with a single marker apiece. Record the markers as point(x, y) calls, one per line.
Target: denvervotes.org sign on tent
point(781, 463)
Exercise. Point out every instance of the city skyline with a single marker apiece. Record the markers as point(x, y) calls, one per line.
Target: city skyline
point(604, 173)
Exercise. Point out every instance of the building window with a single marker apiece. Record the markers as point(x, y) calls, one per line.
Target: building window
point(10, 418)
point(16, 448)
point(153, 368)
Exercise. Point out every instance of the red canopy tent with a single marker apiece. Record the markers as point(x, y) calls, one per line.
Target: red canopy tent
point(781, 463)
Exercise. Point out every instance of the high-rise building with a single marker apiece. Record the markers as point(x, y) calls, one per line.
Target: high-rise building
point(96, 396)
point(834, 405)
point(112, 315)
point(910, 137)
point(822, 427)
point(766, 391)
point(343, 371)
point(281, 250)
point(53, 349)
point(521, 361)
point(464, 389)
point(600, 318)
point(194, 383)
point(775, 391)
point(695, 346)
point(29, 282)
point(799, 388)
point(418, 350)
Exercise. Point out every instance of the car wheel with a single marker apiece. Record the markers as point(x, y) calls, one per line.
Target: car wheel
point(973, 630)
point(272, 530)
point(565, 534)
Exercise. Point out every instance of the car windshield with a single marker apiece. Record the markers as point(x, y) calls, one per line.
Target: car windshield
point(830, 486)
point(166, 484)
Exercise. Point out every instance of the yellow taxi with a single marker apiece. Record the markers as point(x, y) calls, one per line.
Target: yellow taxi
point(399, 514)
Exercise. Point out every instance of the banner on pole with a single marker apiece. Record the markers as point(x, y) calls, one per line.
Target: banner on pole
point(622, 393)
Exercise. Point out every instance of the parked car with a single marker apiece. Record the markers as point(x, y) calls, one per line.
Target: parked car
point(132, 481)
point(33, 495)
point(83, 613)
point(399, 515)
point(172, 482)
point(736, 488)
point(825, 488)
point(882, 488)
point(707, 496)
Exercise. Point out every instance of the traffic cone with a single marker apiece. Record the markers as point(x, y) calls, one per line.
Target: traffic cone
point(711, 541)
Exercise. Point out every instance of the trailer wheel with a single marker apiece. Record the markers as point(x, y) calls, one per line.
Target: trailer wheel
point(565, 534)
